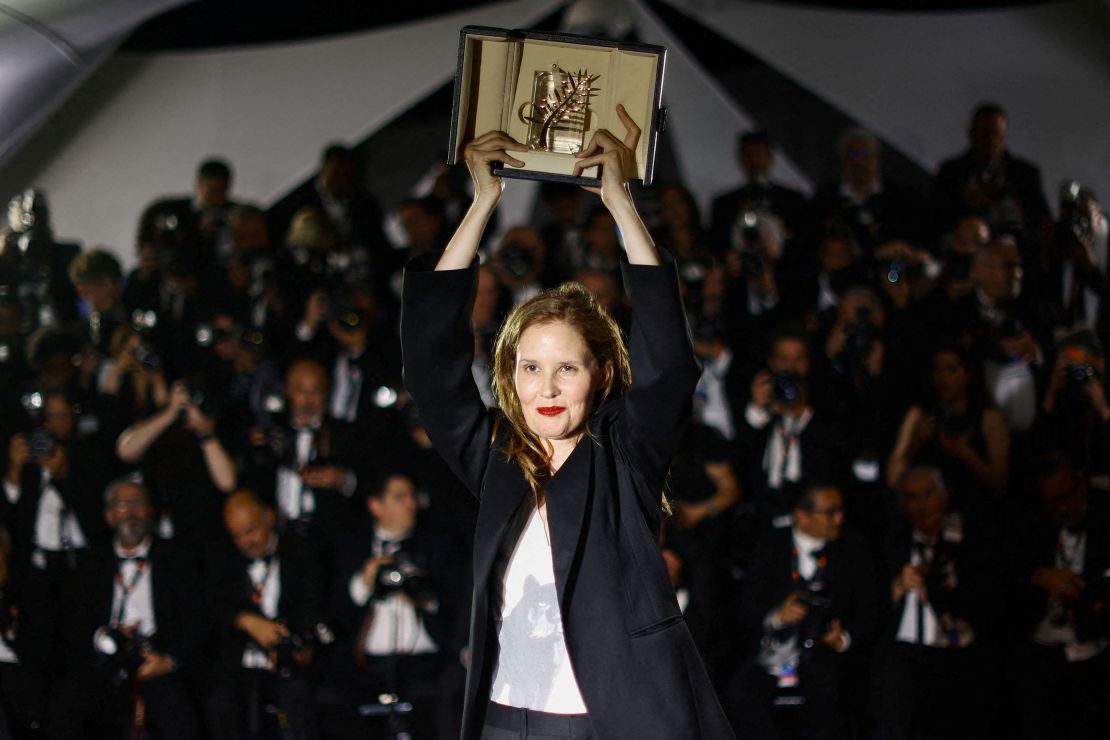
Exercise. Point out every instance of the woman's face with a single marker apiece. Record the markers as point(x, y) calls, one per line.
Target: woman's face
point(556, 377)
point(950, 376)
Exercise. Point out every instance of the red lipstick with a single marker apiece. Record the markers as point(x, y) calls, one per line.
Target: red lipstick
point(551, 410)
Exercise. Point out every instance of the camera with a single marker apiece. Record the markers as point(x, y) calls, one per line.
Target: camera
point(1079, 373)
point(284, 661)
point(516, 258)
point(954, 424)
point(1011, 328)
point(747, 240)
point(786, 387)
point(859, 336)
point(404, 575)
point(42, 444)
point(958, 266)
point(121, 653)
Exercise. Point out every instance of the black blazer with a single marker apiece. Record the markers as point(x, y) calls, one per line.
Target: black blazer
point(176, 593)
point(300, 604)
point(850, 586)
point(635, 661)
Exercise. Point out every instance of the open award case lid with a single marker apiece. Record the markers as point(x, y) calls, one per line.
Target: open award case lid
point(552, 91)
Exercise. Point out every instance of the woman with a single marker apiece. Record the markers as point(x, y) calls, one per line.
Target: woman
point(575, 630)
point(956, 431)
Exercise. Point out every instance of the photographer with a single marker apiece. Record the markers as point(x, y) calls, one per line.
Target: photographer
point(51, 488)
point(518, 262)
point(19, 717)
point(937, 662)
point(753, 266)
point(400, 601)
point(854, 373)
point(809, 604)
point(782, 439)
point(1058, 558)
point(131, 380)
point(267, 606)
point(184, 461)
point(132, 624)
point(97, 277)
point(1075, 414)
point(1078, 263)
point(956, 430)
point(34, 265)
point(756, 157)
point(875, 208)
point(201, 219)
point(1005, 326)
point(304, 464)
point(988, 181)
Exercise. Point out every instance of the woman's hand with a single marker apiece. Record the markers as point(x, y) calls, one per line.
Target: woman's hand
point(480, 155)
point(617, 159)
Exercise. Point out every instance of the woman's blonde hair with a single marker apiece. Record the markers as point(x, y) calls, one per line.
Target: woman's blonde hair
point(573, 304)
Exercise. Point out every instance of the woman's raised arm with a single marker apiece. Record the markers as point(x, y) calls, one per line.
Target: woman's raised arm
point(617, 161)
point(479, 155)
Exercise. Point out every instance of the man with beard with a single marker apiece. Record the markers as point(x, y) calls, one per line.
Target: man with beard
point(132, 629)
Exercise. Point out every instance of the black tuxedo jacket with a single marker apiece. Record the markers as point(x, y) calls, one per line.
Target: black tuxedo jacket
point(849, 584)
point(977, 596)
point(82, 496)
point(787, 204)
point(435, 555)
point(636, 664)
point(1023, 180)
point(179, 612)
point(336, 443)
point(1031, 543)
point(300, 604)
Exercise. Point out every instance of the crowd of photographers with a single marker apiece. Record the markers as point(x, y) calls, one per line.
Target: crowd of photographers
point(221, 516)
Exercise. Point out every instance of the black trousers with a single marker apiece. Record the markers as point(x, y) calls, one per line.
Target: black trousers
point(510, 723)
point(88, 704)
point(758, 708)
point(1053, 698)
point(348, 698)
point(242, 701)
point(929, 693)
point(15, 703)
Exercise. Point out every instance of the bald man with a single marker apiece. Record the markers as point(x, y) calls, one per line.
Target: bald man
point(268, 610)
point(307, 466)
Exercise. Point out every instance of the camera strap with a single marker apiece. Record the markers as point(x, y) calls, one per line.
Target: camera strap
point(258, 587)
point(127, 586)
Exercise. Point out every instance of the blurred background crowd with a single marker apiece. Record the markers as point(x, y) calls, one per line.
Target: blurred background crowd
point(222, 517)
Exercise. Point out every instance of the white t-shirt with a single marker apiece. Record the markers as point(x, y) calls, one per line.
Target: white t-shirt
point(533, 668)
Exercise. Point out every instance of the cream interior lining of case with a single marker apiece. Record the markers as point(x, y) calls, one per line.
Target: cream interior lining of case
point(497, 80)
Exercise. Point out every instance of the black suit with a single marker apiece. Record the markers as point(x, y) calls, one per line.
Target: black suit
point(236, 691)
point(1053, 695)
point(787, 204)
point(827, 681)
point(1021, 181)
point(432, 681)
point(92, 690)
point(913, 679)
point(892, 213)
point(635, 662)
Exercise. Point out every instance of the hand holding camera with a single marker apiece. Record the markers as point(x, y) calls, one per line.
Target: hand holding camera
point(912, 578)
point(1060, 584)
point(792, 611)
point(266, 632)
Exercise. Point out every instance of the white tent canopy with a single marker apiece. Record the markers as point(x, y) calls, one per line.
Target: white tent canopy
point(136, 128)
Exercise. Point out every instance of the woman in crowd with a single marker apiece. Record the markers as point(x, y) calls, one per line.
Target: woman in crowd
point(575, 629)
point(955, 430)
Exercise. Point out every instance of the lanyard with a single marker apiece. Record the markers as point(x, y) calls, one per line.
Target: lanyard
point(127, 587)
point(259, 586)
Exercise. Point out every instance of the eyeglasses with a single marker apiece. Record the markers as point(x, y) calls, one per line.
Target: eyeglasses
point(831, 511)
point(128, 505)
